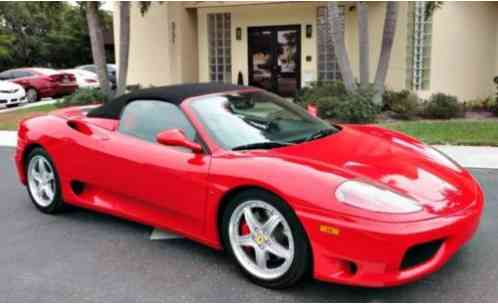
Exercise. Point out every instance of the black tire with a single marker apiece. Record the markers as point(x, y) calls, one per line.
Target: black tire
point(34, 97)
point(12, 105)
point(302, 253)
point(57, 205)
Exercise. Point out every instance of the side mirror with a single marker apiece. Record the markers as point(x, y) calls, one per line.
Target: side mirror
point(176, 138)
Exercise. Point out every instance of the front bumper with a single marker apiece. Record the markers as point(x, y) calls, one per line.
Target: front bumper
point(8, 100)
point(377, 254)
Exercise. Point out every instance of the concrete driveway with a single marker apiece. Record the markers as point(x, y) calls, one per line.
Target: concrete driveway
point(84, 256)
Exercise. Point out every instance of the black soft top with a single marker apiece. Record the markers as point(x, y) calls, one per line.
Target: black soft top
point(174, 94)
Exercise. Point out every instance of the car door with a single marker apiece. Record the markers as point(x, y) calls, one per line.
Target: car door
point(23, 78)
point(159, 183)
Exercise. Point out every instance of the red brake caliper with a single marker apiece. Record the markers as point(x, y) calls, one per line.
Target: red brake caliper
point(244, 230)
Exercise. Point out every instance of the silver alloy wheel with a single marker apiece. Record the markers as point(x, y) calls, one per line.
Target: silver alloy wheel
point(32, 95)
point(41, 181)
point(261, 239)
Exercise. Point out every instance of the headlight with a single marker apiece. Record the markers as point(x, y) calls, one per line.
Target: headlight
point(372, 198)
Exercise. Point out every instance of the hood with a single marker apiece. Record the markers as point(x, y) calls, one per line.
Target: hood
point(9, 86)
point(390, 159)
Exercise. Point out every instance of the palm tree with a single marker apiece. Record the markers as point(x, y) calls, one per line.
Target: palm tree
point(385, 52)
point(336, 22)
point(124, 45)
point(363, 43)
point(97, 44)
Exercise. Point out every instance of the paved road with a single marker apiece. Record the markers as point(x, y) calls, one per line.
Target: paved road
point(83, 256)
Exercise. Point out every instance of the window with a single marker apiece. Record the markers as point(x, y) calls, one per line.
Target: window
point(147, 118)
point(328, 69)
point(419, 47)
point(6, 75)
point(90, 68)
point(219, 47)
point(19, 74)
point(240, 119)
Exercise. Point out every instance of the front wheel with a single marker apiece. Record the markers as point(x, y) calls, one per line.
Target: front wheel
point(266, 239)
point(43, 182)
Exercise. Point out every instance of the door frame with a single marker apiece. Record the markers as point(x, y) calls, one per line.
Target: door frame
point(274, 29)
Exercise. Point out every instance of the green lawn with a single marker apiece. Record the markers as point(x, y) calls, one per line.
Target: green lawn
point(455, 132)
point(10, 120)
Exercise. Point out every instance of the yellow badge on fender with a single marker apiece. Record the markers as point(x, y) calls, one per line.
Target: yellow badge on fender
point(329, 230)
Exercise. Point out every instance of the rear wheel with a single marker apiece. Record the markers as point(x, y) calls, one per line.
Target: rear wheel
point(43, 182)
point(266, 239)
point(32, 95)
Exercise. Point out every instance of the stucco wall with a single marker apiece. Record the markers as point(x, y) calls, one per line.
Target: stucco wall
point(149, 43)
point(396, 74)
point(245, 16)
point(464, 49)
point(156, 58)
point(464, 53)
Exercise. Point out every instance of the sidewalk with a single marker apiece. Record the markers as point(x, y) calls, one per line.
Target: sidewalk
point(8, 138)
point(466, 156)
point(473, 157)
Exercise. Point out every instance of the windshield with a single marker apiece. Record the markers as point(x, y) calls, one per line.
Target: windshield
point(239, 120)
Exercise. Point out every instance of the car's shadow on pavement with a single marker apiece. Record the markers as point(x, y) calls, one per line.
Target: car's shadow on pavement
point(213, 276)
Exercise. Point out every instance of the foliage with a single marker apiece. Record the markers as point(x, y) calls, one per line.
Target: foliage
point(404, 104)
point(316, 90)
point(335, 102)
point(442, 106)
point(485, 104)
point(356, 107)
point(50, 34)
point(495, 108)
point(430, 7)
point(81, 97)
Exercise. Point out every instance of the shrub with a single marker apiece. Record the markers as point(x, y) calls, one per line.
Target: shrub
point(442, 106)
point(485, 104)
point(319, 90)
point(404, 104)
point(495, 108)
point(355, 107)
point(333, 101)
point(82, 97)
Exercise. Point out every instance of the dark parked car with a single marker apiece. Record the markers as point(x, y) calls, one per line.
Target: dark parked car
point(41, 82)
point(111, 72)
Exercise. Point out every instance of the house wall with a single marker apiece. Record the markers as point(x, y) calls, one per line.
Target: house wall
point(156, 58)
point(464, 50)
point(396, 75)
point(245, 16)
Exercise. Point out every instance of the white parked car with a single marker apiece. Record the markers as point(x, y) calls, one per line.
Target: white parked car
point(84, 79)
point(11, 94)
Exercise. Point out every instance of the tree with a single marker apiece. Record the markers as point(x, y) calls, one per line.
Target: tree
point(97, 44)
point(385, 51)
point(45, 34)
point(363, 43)
point(124, 45)
point(336, 22)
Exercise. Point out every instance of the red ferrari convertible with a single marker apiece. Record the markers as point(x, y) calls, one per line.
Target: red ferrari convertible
point(285, 193)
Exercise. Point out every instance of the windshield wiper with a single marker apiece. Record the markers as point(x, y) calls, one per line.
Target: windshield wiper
point(320, 134)
point(262, 145)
